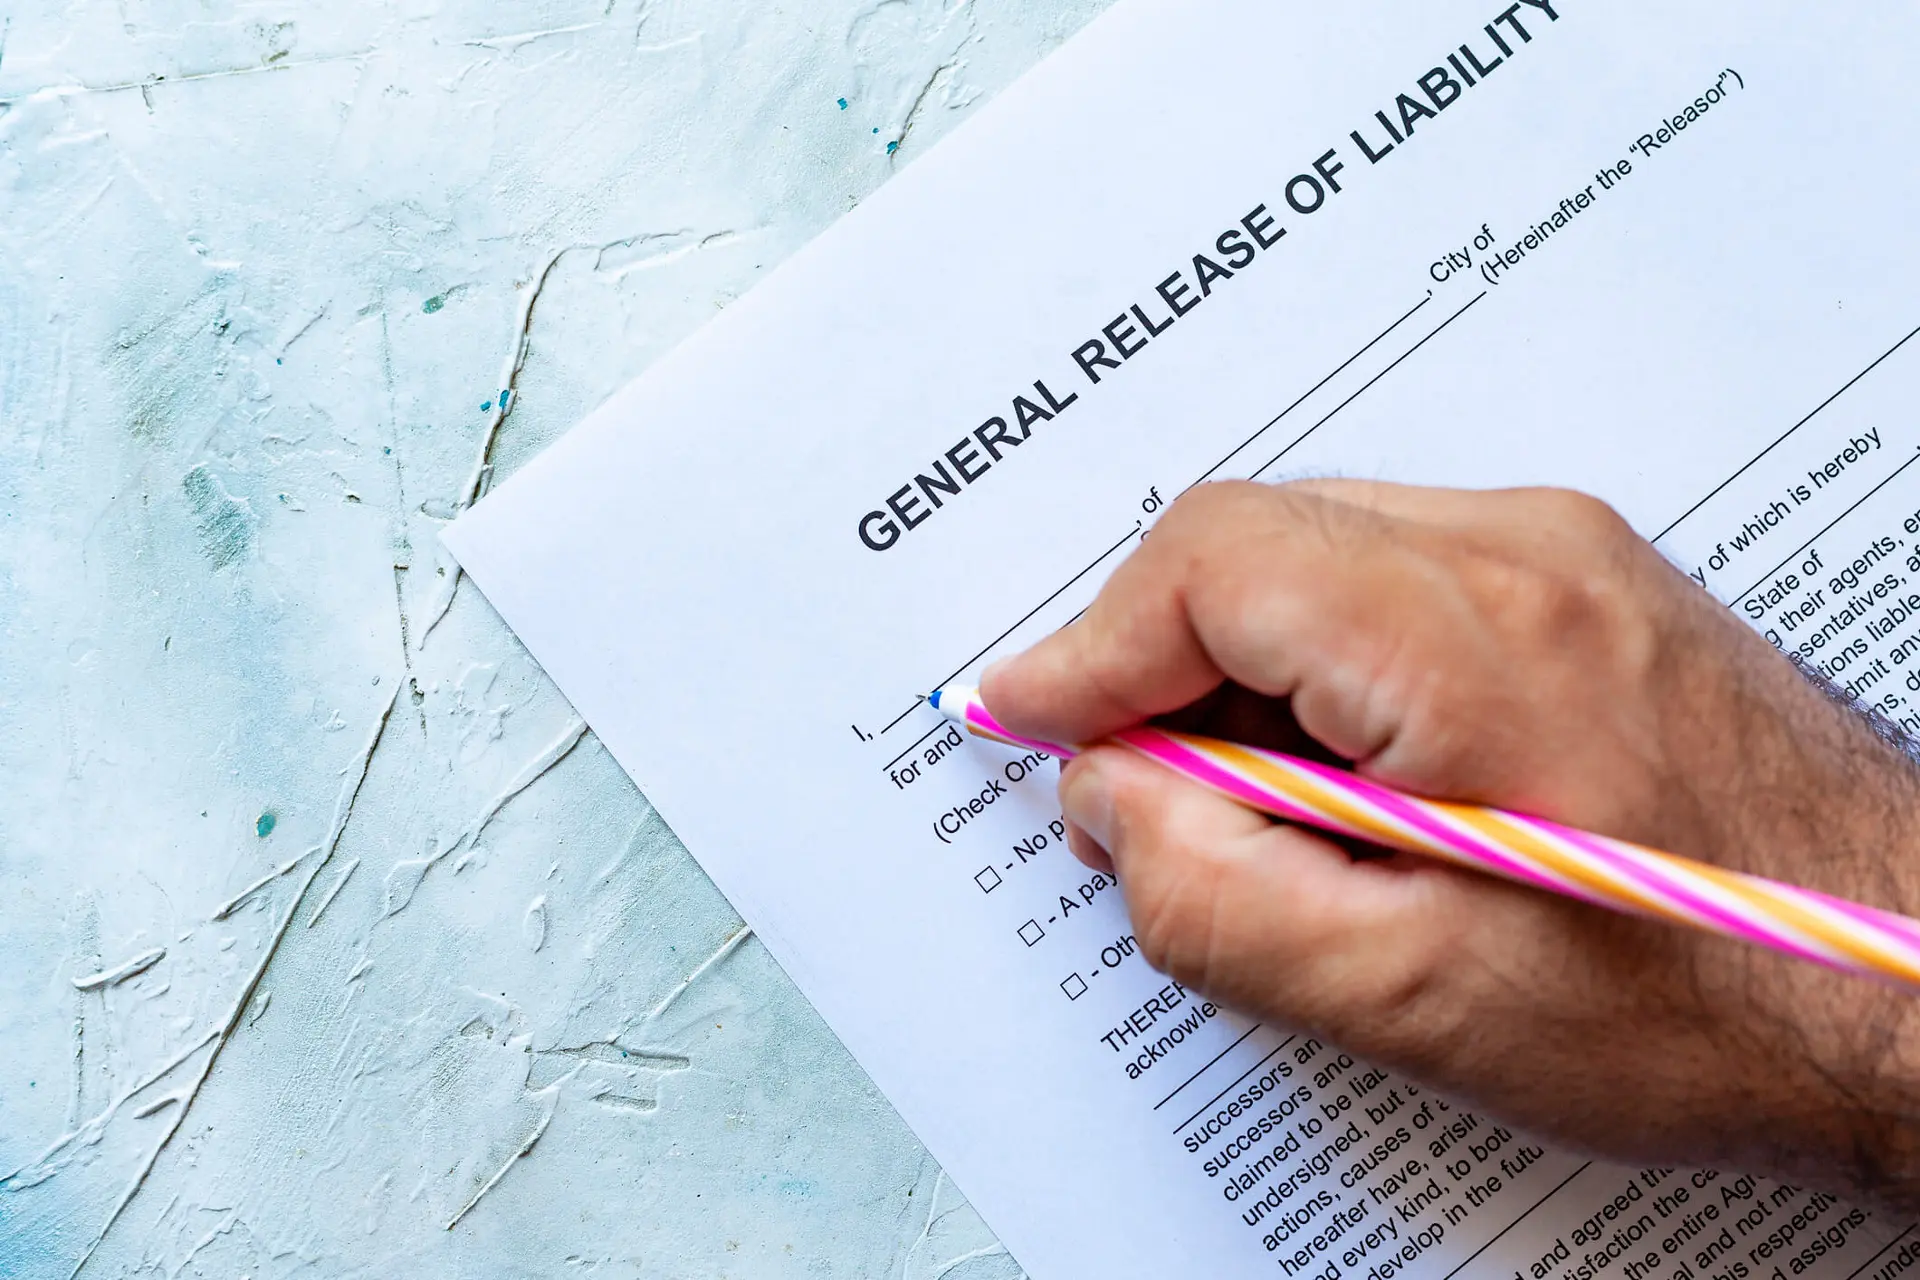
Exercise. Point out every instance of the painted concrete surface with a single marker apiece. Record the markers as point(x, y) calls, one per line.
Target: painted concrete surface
point(331, 942)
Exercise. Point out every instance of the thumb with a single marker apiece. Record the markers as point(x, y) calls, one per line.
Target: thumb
point(1267, 918)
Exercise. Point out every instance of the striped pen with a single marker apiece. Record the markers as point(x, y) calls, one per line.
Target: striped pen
point(1532, 851)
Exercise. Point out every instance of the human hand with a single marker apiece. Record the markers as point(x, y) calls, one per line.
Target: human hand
point(1523, 649)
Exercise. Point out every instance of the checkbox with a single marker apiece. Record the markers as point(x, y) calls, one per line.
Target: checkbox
point(1031, 932)
point(988, 880)
point(1075, 987)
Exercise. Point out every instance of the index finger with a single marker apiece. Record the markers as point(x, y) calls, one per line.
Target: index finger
point(1236, 583)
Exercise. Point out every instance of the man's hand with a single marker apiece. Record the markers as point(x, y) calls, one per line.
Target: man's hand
point(1523, 649)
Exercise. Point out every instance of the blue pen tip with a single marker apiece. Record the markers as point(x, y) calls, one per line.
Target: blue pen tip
point(934, 698)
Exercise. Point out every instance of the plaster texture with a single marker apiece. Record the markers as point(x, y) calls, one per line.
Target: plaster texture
point(332, 944)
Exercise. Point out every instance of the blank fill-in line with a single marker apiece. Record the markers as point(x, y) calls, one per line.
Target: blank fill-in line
point(1517, 1221)
point(1275, 420)
point(1818, 409)
point(1223, 462)
point(1043, 604)
point(1301, 438)
point(1236, 1082)
point(903, 715)
point(1735, 602)
point(1297, 440)
point(1130, 534)
point(1210, 1061)
point(937, 727)
point(1854, 1274)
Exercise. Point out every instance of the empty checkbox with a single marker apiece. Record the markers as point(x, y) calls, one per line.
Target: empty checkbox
point(1031, 932)
point(988, 880)
point(1075, 987)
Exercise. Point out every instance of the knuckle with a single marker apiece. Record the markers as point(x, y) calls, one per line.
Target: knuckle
point(1173, 925)
point(1395, 992)
point(1157, 930)
point(1583, 515)
point(1584, 591)
point(1586, 621)
point(1400, 988)
point(1560, 605)
point(1110, 671)
point(1198, 508)
point(1221, 495)
point(1171, 893)
point(1604, 615)
point(1228, 509)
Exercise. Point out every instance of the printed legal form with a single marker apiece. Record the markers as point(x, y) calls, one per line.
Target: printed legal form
point(1657, 252)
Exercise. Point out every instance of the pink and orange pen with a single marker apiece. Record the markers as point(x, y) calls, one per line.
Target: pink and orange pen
point(1533, 851)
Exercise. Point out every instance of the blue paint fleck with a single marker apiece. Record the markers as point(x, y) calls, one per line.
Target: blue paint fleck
point(264, 824)
point(503, 399)
point(876, 129)
point(386, 448)
point(488, 405)
point(892, 147)
point(278, 360)
point(843, 104)
point(434, 303)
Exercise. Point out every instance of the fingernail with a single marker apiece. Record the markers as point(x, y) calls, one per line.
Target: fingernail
point(1088, 803)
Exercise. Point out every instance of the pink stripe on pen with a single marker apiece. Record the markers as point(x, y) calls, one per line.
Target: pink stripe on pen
point(1725, 921)
point(1183, 759)
point(1445, 838)
point(1894, 933)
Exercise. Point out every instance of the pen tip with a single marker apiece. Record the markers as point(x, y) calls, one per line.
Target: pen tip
point(934, 698)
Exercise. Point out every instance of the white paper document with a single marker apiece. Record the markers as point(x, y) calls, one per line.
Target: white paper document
point(1660, 252)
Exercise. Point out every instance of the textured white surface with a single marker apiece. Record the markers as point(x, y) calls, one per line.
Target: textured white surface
point(326, 925)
